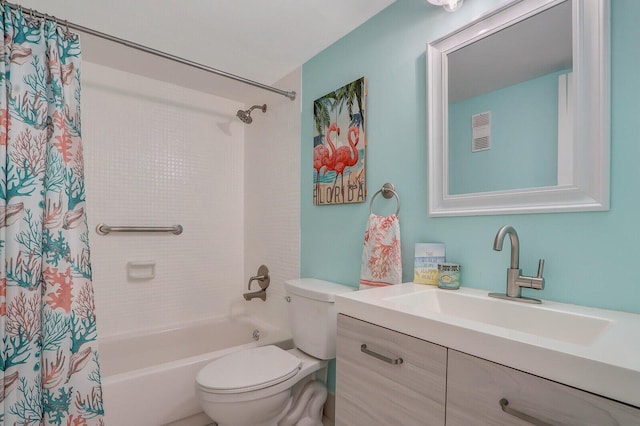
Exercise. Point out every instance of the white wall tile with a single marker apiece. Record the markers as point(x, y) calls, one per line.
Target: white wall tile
point(160, 154)
point(272, 196)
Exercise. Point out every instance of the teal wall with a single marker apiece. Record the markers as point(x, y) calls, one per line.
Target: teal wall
point(528, 110)
point(590, 257)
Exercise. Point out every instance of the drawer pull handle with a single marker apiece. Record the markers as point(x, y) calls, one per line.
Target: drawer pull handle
point(394, 361)
point(504, 404)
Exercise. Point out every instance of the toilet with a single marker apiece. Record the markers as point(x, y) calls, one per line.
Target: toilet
point(271, 386)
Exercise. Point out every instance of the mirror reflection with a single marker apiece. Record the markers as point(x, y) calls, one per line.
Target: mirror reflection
point(508, 106)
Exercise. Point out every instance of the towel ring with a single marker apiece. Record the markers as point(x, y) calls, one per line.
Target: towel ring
point(387, 191)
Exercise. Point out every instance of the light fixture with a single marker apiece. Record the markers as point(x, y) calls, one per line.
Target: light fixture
point(448, 5)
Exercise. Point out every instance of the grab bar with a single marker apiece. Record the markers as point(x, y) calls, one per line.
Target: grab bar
point(103, 229)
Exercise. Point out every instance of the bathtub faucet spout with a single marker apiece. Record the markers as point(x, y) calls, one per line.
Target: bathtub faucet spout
point(263, 279)
point(260, 294)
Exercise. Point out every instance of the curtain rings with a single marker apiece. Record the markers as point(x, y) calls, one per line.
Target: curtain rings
point(31, 19)
point(68, 35)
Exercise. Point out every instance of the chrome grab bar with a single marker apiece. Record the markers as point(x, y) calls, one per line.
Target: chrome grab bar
point(103, 229)
point(393, 361)
point(504, 404)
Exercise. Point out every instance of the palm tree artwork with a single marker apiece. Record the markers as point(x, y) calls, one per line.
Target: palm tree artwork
point(339, 145)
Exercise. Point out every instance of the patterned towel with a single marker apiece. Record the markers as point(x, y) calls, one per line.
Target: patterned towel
point(381, 259)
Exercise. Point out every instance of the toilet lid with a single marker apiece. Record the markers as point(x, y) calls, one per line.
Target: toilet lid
point(248, 369)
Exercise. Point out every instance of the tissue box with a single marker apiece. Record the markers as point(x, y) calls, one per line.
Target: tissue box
point(427, 257)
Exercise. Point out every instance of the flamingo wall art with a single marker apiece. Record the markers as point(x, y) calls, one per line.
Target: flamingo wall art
point(339, 146)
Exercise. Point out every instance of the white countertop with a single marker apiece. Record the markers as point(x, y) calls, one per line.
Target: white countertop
point(608, 366)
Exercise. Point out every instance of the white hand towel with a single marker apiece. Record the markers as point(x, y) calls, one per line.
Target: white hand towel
point(381, 258)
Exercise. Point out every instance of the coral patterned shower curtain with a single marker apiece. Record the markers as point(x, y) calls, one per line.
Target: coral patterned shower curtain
point(49, 370)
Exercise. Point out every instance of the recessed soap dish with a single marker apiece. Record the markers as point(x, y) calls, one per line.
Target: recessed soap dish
point(141, 270)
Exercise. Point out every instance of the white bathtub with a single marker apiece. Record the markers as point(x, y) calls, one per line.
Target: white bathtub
point(148, 379)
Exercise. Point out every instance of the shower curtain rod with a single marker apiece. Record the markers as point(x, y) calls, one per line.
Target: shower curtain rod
point(291, 95)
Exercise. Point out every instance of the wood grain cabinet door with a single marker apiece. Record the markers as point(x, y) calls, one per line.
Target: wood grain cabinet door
point(374, 388)
point(476, 386)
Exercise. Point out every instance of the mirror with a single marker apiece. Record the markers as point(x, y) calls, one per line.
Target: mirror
point(518, 111)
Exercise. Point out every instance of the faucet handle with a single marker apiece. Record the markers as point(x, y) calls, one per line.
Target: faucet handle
point(537, 283)
point(540, 267)
point(262, 278)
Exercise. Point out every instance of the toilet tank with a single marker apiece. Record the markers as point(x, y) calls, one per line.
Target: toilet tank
point(313, 316)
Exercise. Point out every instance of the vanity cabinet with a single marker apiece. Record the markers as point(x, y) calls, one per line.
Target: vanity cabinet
point(476, 386)
point(374, 387)
point(372, 391)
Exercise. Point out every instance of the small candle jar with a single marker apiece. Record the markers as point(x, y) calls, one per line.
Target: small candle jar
point(449, 276)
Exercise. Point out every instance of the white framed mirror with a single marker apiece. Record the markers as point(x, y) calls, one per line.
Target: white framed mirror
point(518, 111)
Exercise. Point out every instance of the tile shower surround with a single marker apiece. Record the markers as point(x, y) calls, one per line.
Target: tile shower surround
point(160, 154)
point(272, 197)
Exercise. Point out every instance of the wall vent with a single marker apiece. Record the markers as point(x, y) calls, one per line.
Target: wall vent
point(481, 131)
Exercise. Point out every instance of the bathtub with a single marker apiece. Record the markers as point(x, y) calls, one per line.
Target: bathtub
point(148, 379)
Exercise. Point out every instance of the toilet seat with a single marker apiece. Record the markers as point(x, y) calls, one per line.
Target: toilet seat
point(248, 370)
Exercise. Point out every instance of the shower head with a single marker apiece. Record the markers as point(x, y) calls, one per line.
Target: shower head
point(245, 116)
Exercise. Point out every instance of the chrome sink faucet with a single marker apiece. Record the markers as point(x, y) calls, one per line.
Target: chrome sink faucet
point(515, 280)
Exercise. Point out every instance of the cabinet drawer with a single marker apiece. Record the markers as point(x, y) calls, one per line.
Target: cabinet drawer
point(475, 387)
point(372, 391)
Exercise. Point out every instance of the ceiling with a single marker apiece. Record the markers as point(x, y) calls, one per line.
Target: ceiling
point(261, 40)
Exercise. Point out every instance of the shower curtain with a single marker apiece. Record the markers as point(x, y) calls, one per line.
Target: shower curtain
point(49, 370)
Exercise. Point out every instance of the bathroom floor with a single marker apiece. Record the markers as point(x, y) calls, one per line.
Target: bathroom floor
point(199, 419)
point(325, 422)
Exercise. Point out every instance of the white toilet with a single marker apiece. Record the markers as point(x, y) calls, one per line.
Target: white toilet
point(271, 386)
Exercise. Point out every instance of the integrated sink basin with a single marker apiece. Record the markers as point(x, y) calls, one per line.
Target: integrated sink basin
point(538, 320)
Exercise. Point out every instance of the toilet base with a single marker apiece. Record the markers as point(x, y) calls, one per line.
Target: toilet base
point(262, 412)
point(306, 407)
point(300, 407)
